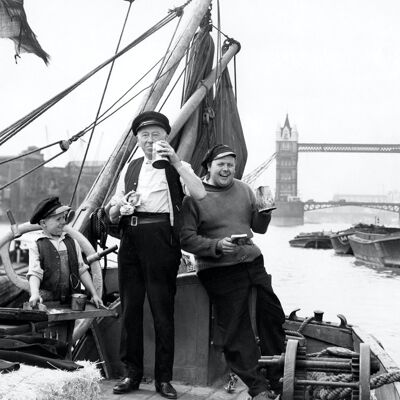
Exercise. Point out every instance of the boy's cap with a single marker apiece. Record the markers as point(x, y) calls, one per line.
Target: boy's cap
point(46, 208)
point(218, 151)
point(150, 118)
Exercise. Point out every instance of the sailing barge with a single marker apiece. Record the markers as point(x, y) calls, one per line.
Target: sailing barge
point(316, 351)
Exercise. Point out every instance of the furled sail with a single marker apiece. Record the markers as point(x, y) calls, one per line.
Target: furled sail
point(217, 119)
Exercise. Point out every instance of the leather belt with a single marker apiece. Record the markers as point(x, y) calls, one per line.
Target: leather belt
point(149, 218)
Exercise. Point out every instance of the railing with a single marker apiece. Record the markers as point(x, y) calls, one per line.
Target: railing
point(348, 148)
point(313, 205)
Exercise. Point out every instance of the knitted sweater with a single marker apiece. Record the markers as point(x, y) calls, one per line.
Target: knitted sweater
point(223, 212)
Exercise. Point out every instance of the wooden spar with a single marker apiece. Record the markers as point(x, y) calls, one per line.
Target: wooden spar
point(188, 139)
point(191, 19)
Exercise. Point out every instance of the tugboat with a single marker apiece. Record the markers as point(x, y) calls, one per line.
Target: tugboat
point(314, 240)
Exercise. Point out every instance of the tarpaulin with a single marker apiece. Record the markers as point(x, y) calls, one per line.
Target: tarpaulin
point(14, 26)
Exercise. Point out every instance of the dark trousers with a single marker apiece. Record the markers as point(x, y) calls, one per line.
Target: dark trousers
point(229, 289)
point(148, 261)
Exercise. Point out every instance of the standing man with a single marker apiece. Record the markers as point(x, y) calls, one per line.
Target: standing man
point(147, 204)
point(229, 270)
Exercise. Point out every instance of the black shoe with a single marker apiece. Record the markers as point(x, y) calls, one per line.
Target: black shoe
point(126, 385)
point(166, 390)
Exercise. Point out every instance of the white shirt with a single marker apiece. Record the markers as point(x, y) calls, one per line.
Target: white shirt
point(152, 188)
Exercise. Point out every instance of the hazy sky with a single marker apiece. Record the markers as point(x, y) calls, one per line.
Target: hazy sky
point(332, 65)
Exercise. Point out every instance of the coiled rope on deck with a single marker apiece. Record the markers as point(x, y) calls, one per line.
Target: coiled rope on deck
point(325, 393)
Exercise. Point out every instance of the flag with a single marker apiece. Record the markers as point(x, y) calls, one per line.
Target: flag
point(14, 26)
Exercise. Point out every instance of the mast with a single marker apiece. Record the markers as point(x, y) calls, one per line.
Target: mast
point(112, 168)
point(188, 139)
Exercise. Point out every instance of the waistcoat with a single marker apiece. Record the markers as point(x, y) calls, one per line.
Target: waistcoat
point(51, 264)
point(174, 186)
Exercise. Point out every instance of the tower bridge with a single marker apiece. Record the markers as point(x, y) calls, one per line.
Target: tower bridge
point(314, 205)
point(290, 209)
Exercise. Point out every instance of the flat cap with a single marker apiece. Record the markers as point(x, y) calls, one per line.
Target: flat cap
point(46, 208)
point(218, 151)
point(150, 118)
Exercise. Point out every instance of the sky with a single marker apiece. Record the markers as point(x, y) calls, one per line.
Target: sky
point(332, 65)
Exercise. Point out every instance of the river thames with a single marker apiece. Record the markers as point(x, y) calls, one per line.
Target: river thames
point(316, 279)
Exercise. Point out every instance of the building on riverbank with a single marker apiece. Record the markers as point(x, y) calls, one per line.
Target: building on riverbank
point(21, 196)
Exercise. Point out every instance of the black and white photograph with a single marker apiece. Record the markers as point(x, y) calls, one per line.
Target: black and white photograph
point(199, 199)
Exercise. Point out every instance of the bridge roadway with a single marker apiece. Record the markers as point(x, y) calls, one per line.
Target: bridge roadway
point(319, 205)
point(347, 148)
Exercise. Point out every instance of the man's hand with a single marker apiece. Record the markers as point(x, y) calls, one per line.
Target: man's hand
point(35, 299)
point(123, 200)
point(225, 246)
point(97, 301)
point(165, 149)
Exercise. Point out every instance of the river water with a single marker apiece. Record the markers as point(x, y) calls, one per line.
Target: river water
point(312, 279)
point(316, 279)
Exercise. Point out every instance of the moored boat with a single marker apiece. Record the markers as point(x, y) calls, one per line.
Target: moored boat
point(378, 249)
point(315, 240)
point(340, 241)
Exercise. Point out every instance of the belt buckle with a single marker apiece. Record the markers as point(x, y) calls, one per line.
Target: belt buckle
point(134, 220)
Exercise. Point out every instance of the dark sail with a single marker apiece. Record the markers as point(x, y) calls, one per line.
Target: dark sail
point(217, 119)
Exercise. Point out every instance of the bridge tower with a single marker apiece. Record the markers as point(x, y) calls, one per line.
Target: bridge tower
point(290, 210)
point(286, 162)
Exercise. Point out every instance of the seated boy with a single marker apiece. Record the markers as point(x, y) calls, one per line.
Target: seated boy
point(56, 268)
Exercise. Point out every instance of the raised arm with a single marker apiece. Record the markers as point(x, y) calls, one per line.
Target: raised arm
point(192, 182)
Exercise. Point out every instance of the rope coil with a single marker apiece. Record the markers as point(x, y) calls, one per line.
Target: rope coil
point(326, 393)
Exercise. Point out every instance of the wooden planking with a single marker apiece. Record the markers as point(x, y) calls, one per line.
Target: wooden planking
point(185, 392)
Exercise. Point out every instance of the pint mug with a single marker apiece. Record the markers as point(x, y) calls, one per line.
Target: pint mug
point(158, 161)
point(78, 301)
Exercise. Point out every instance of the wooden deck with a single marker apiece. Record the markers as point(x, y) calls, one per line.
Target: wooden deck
point(185, 392)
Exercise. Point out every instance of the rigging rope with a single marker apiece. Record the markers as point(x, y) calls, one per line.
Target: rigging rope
point(17, 126)
point(30, 171)
point(66, 143)
point(183, 72)
point(164, 61)
point(86, 130)
point(31, 152)
point(99, 108)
